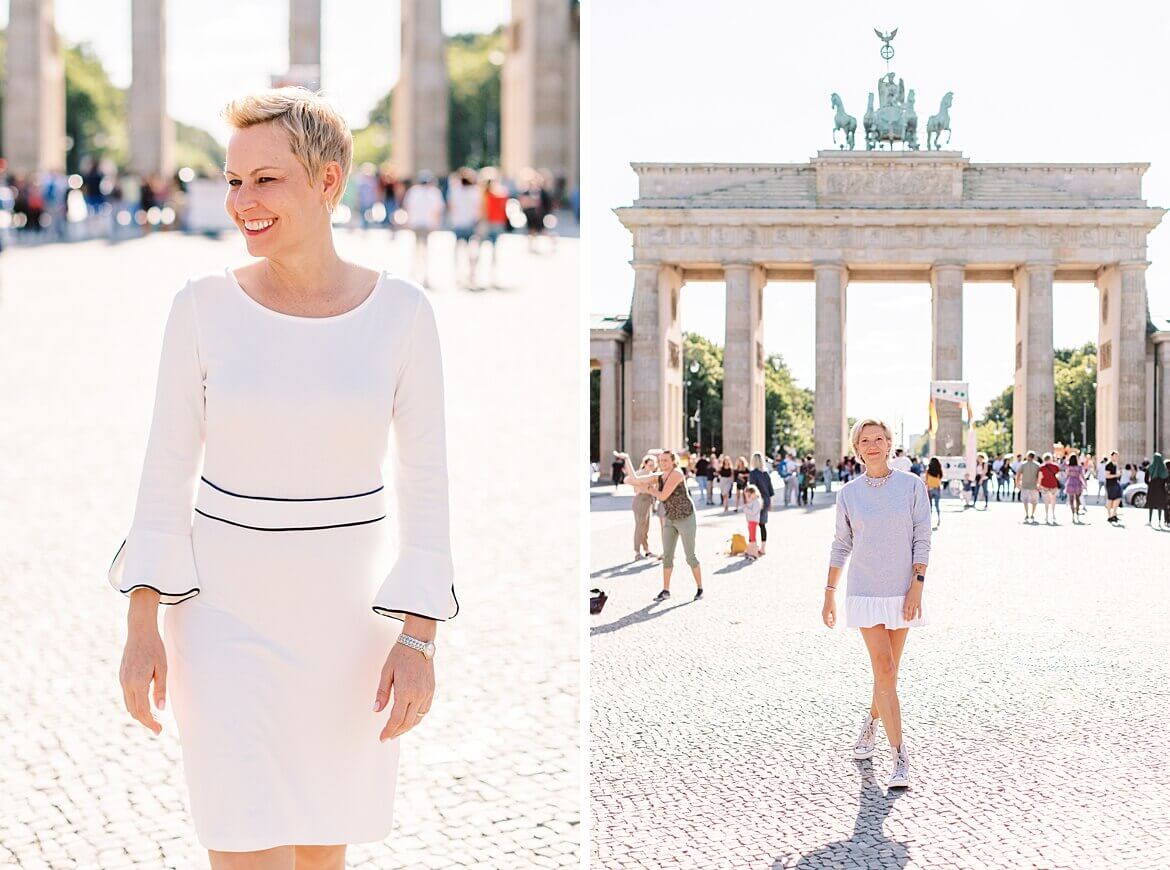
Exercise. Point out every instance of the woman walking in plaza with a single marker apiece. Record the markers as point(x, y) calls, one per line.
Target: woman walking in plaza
point(1157, 496)
point(741, 482)
point(726, 480)
point(669, 488)
point(883, 531)
point(281, 381)
point(762, 481)
point(1049, 486)
point(934, 480)
point(1112, 490)
point(1074, 486)
point(643, 506)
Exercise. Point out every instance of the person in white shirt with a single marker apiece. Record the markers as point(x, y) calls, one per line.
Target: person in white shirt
point(423, 204)
point(1101, 476)
point(900, 461)
point(464, 212)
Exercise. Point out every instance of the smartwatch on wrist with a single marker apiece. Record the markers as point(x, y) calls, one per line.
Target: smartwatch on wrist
point(921, 578)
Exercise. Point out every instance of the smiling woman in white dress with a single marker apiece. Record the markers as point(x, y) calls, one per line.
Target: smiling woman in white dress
point(260, 511)
point(883, 520)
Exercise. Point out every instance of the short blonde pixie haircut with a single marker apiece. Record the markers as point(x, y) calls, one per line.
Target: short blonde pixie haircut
point(855, 432)
point(316, 131)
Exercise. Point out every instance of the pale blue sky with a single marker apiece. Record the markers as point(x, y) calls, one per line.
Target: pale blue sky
point(218, 48)
point(1078, 82)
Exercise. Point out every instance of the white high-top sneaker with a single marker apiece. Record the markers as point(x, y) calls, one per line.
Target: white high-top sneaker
point(863, 748)
point(900, 778)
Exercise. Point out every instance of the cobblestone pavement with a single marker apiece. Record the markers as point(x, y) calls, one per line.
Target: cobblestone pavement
point(1034, 704)
point(492, 779)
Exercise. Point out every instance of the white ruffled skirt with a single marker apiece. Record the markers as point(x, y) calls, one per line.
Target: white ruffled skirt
point(866, 611)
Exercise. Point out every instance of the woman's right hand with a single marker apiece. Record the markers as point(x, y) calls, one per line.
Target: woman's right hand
point(144, 658)
point(829, 611)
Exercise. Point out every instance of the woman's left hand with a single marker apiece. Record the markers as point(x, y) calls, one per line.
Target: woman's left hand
point(411, 675)
point(912, 605)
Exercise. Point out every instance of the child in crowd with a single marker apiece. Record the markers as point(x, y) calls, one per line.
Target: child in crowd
point(751, 509)
point(968, 491)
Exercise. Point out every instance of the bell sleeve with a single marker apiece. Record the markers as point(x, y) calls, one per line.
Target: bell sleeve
point(156, 552)
point(420, 582)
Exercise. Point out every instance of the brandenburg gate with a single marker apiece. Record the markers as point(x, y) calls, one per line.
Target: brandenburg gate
point(890, 216)
point(896, 216)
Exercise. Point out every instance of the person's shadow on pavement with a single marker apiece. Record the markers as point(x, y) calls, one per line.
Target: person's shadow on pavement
point(869, 846)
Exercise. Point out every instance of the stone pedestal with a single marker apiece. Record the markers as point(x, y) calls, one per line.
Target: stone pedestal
point(540, 90)
point(419, 106)
point(152, 133)
point(1034, 398)
point(743, 361)
point(1121, 361)
point(946, 289)
point(830, 425)
point(656, 409)
point(34, 99)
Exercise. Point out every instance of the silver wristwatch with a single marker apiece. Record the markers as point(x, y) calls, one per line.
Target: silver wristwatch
point(426, 647)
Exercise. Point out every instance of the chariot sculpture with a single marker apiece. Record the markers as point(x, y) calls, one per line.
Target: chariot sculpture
point(895, 119)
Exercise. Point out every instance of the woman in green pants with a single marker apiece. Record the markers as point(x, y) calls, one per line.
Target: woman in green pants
point(670, 488)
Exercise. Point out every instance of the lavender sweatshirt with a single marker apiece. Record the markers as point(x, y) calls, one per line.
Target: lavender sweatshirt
point(886, 528)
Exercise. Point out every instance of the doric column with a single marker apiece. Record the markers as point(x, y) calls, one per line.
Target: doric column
point(608, 430)
point(743, 361)
point(1121, 361)
point(539, 100)
point(420, 102)
point(34, 101)
point(1162, 393)
point(830, 436)
point(152, 133)
point(656, 408)
point(1034, 395)
point(946, 293)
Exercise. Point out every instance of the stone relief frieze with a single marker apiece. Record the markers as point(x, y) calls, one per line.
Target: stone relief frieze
point(915, 182)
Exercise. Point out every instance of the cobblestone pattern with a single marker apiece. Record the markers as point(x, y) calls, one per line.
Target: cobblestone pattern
point(492, 779)
point(1034, 704)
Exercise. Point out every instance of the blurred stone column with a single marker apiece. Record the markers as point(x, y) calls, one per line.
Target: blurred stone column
point(1034, 393)
point(743, 361)
point(419, 105)
point(656, 407)
point(34, 98)
point(152, 133)
point(946, 286)
point(1162, 396)
point(830, 435)
point(540, 90)
point(610, 411)
point(1121, 361)
point(304, 34)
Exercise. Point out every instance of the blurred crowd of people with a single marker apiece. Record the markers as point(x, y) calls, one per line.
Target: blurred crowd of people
point(476, 205)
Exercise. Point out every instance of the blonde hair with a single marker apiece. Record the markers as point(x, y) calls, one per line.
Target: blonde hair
point(855, 432)
point(316, 131)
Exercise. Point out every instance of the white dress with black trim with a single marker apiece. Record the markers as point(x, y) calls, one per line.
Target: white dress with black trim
point(262, 514)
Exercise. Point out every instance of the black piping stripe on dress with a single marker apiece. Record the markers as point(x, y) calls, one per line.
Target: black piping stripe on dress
point(388, 612)
point(182, 596)
point(289, 528)
point(277, 498)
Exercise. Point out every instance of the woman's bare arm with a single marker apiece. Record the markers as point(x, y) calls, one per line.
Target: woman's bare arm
point(673, 479)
